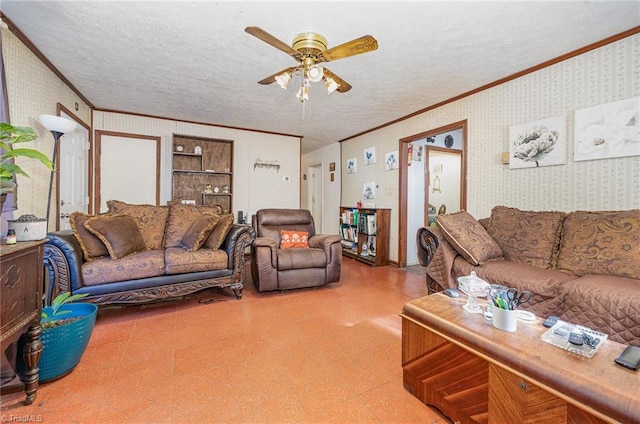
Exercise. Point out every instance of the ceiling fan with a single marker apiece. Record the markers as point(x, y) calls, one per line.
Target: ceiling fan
point(309, 49)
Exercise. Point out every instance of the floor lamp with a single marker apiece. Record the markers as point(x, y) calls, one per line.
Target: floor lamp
point(58, 127)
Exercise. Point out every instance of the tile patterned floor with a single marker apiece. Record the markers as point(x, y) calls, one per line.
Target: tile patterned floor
point(327, 355)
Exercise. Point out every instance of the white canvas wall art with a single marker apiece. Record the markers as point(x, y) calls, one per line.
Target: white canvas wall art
point(369, 191)
point(391, 161)
point(608, 131)
point(352, 165)
point(369, 156)
point(538, 143)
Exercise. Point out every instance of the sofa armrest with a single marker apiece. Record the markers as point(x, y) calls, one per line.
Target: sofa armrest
point(63, 259)
point(238, 239)
point(428, 242)
point(325, 242)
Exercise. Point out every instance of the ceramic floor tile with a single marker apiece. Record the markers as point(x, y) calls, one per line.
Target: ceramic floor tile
point(324, 355)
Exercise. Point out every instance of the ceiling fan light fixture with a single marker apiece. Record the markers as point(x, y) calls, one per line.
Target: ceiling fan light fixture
point(331, 84)
point(283, 80)
point(303, 93)
point(315, 73)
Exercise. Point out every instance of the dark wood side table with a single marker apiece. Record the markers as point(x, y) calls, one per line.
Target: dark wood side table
point(21, 281)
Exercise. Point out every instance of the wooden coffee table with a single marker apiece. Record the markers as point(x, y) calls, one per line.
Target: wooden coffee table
point(474, 373)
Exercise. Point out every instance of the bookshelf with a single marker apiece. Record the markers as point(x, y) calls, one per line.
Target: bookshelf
point(365, 234)
point(203, 171)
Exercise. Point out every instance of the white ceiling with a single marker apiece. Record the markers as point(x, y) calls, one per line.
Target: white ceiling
point(193, 60)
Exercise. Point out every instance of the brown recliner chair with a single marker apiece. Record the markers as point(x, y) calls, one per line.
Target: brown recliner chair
point(273, 268)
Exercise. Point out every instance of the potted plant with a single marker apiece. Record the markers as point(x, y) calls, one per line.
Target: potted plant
point(66, 330)
point(9, 136)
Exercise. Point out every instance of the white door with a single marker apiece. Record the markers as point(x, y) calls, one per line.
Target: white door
point(74, 173)
point(315, 195)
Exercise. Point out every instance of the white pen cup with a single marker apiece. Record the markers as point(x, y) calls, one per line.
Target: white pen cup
point(502, 319)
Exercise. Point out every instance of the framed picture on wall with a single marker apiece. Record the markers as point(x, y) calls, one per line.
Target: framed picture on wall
point(608, 131)
point(369, 191)
point(538, 143)
point(352, 166)
point(369, 156)
point(391, 161)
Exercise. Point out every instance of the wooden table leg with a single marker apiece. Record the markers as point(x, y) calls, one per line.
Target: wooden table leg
point(31, 354)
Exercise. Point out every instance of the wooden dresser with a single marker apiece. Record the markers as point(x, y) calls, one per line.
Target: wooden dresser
point(21, 281)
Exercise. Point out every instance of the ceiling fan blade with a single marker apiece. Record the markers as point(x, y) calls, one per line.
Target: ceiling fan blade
point(343, 86)
point(270, 39)
point(272, 78)
point(364, 44)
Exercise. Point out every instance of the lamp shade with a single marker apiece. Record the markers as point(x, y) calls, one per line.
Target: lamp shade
point(315, 73)
point(58, 124)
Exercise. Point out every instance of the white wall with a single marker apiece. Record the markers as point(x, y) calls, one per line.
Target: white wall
point(331, 190)
point(600, 76)
point(252, 189)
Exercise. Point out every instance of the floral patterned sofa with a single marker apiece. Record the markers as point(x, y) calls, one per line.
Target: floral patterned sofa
point(144, 253)
point(581, 266)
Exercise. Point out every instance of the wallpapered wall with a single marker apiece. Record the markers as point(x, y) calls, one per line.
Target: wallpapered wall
point(252, 189)
point(34, 90)
point(603, 75)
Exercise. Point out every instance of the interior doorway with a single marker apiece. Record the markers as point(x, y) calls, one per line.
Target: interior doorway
point(73, 183)
point(432, 181)
point(315, 195)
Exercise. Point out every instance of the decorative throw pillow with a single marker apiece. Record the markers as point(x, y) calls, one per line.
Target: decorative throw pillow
point(198, 232)
point(528, 237)
point(119, 233)
point(150, 219)
point(294, 239)
point(601, 243)
point(92, 247)
point(219, 232)
point(180, 218)
point(468, 237)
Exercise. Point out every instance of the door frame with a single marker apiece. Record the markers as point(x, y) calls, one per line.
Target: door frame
point(403, 180)
point(59, 109)
point(98, 167)
point(311, 191)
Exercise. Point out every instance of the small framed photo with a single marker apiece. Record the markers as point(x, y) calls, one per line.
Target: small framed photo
point(352, 166)
point(369, 156)
point(332, 166)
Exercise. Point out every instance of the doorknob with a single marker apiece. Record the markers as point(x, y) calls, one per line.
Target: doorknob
point(64, 215)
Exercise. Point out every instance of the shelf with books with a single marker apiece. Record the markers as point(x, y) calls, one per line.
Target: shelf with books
point(365, 234)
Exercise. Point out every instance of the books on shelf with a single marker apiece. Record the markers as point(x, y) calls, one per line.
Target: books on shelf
point(348, 232)
point(349, 244)
point(350, 217)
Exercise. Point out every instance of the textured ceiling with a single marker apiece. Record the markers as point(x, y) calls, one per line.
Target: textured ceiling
point(193, 60)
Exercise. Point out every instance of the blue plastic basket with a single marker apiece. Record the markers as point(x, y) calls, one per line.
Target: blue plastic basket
point(63, 346)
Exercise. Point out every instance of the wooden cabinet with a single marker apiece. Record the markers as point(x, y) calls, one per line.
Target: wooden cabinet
point(203, 171)
point(21, 282)
point(365, 234)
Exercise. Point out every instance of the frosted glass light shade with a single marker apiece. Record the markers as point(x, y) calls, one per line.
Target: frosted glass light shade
point(315, 73)
point(58, 124)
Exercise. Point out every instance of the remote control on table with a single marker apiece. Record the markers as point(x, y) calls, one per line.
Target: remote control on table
point(550, 321)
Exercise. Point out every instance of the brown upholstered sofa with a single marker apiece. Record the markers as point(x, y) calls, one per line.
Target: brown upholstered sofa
point(145, 253)
point(281, 260)
point(581, 266)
